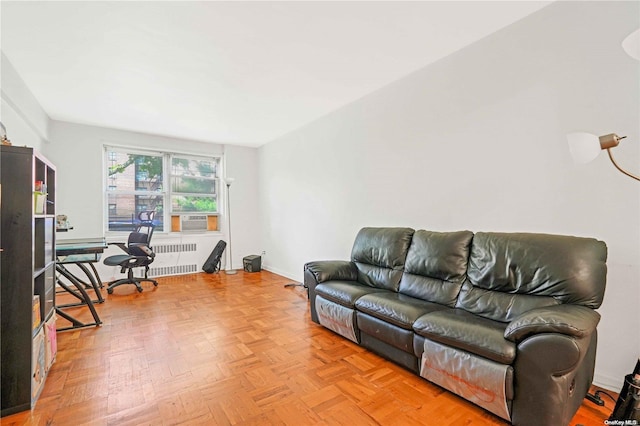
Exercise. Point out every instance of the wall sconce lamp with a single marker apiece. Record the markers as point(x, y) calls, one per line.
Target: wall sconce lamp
point(631, 44)
point(585, 147)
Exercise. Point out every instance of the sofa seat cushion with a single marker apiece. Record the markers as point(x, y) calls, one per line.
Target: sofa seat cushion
point(395, 308)
point(344, 293)
point(463, 330)
point(383, 331)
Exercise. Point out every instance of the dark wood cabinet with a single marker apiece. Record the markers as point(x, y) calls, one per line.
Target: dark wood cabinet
point(27, 267)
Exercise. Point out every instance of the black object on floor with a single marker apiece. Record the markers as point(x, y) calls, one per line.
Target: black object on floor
point(298, 285)
point(252, 263)
point(212, 264)
point(627, 407)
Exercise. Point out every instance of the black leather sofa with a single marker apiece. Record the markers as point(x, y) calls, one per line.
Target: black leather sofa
point(505, 320)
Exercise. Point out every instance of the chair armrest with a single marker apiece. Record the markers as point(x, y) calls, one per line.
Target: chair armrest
point(123, 246)
point(329, 270)
point(144, 248)
point(571, 320)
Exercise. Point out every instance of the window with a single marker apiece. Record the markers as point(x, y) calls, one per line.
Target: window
point(194, 185)
point(165, 183)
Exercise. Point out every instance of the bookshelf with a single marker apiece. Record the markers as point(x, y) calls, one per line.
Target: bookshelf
point(27, 265)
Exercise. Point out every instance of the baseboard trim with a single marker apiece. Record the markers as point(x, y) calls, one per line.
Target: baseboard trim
point(607, 382)
point(280, 272)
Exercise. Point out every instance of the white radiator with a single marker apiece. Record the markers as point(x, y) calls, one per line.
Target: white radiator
point(172, 270)
point(174, 248)
point(174, 259)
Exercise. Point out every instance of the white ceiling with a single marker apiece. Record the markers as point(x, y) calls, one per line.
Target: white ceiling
point(229, 72)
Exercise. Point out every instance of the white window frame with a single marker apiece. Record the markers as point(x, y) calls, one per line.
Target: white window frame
point(166, 191)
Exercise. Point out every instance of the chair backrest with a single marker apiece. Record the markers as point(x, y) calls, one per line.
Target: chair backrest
point(146, 215)
point(145, 229)
point(145, 223)
point(136, 238)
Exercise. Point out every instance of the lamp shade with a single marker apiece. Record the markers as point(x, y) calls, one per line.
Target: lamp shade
point(631, 44)
point(584, 147)
point(229, 181)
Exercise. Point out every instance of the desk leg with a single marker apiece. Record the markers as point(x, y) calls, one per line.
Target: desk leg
point(93, 281)
point(71, 291)
point(82, 295)
point(75, 322)
point(95, 274)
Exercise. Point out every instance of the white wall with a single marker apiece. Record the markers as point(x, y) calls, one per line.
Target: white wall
point(242, 165)
point(477, 141)
point(26, 122)
point(77, 152)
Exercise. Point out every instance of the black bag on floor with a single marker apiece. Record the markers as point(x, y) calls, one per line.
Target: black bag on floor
point(212, 264)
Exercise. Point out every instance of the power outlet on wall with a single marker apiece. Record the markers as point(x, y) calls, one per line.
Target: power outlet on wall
point(264, 253)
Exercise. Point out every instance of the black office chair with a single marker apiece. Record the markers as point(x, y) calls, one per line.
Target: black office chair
point(138, 254)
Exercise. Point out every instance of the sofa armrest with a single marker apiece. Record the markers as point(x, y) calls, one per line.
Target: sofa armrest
point(330, 270)
point(571, 320)
point(554, 370)
point(326, 270)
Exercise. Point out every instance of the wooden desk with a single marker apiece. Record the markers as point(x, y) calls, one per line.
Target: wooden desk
point(80, 252)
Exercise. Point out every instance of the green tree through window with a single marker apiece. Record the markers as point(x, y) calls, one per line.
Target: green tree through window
point(193, 185)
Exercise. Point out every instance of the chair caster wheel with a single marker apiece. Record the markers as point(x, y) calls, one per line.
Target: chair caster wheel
point(110, 290)
point(139, 290)
point(155, 284)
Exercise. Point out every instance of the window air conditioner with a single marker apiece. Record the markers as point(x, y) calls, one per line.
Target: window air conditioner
point(193, 222)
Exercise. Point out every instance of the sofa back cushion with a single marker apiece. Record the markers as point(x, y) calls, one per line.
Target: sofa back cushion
point(436, 266)
point(379, 255)
point(510, 274)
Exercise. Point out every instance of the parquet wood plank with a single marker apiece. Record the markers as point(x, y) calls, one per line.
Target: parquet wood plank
point(214, 349)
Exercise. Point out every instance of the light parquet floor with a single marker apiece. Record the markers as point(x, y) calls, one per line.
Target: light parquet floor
point(233, 350)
